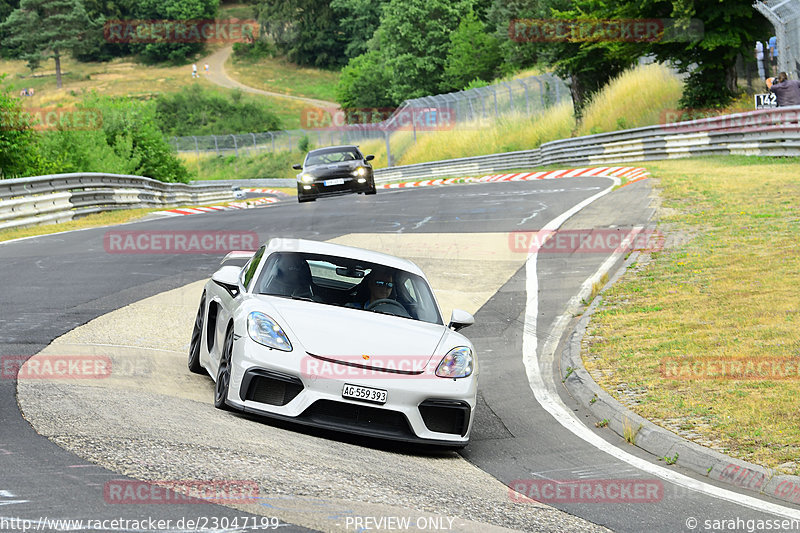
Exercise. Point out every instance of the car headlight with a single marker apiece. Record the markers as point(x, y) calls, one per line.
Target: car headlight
point(266, 331)
point(458, 363)
point(306, 178)
point(360, 171)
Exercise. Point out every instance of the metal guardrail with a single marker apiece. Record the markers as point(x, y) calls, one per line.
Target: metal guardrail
point(769, 132)
point(772, 132)
point(62, 197)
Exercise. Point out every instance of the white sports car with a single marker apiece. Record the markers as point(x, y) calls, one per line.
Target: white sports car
point(336, 337)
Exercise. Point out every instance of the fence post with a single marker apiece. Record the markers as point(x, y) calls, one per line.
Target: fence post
point(510, 96)
point(272, 138)
point(235, 147)
point(254, 141)
point(216, 145)
point(527, 100)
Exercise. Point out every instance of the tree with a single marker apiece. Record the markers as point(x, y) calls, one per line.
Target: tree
point(358, 20)
point(414, 38)
point(729, 28)
point(181, 11)
point(365, 83)
point(44, 29)
point(473, 54)
point(306, 31)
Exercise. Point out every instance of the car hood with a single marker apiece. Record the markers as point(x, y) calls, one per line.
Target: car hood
point(348, 335)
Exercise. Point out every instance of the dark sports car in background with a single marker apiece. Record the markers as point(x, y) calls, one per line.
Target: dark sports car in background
point(332, 171)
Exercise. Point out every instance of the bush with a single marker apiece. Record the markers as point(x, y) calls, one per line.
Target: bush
point(19, 144)
point(201, 112)
point(128, 142)
point(254, 51)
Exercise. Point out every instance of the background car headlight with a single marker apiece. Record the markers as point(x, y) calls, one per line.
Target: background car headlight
point(458, 363)
point(266, 331)
point(306, 178)
point(360, 171)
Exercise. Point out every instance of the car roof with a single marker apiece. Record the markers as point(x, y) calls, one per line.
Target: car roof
point(329, 149)
point(340, 250)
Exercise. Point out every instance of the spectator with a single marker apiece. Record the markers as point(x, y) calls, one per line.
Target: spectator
point(759, 53)
point(206, 68)
point(194, 70)
point(773, 55)
point(31, 92)
point(787, 92)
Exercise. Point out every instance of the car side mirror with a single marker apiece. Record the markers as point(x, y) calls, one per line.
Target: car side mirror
point(297, 166)
point(228, 278)
point(460, 319)
point(369, 158)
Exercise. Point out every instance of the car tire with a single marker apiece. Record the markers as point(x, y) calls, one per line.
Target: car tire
point(372, 190)
point(197, 339)
point(302, 199)
point(222, 386)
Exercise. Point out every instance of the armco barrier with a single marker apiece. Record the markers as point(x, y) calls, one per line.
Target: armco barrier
point(771, 132)
point(61, 197)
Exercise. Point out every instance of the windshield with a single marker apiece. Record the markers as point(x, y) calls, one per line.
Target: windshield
point(335, 156)
point(345, 282)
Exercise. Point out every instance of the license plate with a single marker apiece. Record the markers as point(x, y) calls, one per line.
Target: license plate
point(337, 181)
point(366, 394)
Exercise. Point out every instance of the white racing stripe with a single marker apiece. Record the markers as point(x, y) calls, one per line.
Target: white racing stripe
point(548, 397)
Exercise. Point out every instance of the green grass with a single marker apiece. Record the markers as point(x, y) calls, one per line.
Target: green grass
point(726, 291)
point(261, 165)
point(278, 75)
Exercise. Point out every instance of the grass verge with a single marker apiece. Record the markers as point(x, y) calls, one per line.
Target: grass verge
point(108, 218)
point(727, 294)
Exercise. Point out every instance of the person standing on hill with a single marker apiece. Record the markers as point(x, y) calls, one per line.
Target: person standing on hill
point(194, 70)
point(773, 55)
point(759, 53)
point(787, 92)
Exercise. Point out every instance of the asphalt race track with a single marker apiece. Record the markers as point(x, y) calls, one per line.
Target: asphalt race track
point(166, 429)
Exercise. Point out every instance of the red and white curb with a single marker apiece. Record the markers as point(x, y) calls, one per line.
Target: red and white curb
point(211, 208)
point(265, 191)
point(631, 173)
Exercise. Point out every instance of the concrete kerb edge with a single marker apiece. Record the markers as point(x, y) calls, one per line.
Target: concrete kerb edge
point(653, 438)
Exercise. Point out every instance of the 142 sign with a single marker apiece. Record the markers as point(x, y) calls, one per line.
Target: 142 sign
point(766, 101)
